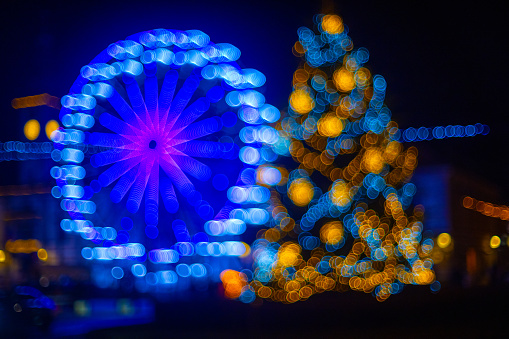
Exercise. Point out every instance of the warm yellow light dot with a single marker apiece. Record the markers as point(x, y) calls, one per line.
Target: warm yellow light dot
point(32, 129)
point(301, 192)
point(495, 242)
point(344, 80)
point(444, 240)
point(332, 233)
point(332, 24)
point(373, 160)
point(301, 102)
point(288, 255)
point(2, 256)
point(340, 193)
point(42, 254)
point(330, 126)
point(51, 126)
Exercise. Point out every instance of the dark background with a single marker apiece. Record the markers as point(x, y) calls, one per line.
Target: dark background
point(444, 64)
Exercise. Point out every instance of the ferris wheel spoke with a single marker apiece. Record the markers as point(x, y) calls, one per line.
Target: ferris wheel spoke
point(201, 149)
point(117, 170)
point(192, 166)
point(136, 193)
point(182, 99)
point(137, 103)
point(190, 114)
point(200, 129)
point(169, 197)
point(178, 178)
point(118, 126)
point(111, 156)
point(123, 109)
point(166, 95)
point(107, 140)
point(124, 184)
point(152, 197)
point(151, 102)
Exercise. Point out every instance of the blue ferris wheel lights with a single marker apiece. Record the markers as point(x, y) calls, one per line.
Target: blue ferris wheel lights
point(249, 155)
point(224, 227)
point(152, 141)
point(99, 72)
point(73, 191)
point(269, 175)
point(269, 113)
point(117, 272)
point(99, 89)
point(81, 120)
point(248, 194)
point(139, 270)
point(78, 101)
point(72, 155)
point(252, 216)
point(125, 49)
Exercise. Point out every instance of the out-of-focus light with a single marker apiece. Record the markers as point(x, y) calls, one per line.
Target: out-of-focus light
point(268, 175)
point(117, 272)
point(344, 80)
point(413, 134)
point(301, 192)
point(301, 102)
point(51, 126)
point(2, 256)
point(495, 241)
point(36, 100)
point(444, 240)
point(233, 282)
point(330, 126)
point(23, 246)
point(42, 254)
point(32, 129)
point(373, 160)
point(486, 208)
point(139, 270)
point(332, 24)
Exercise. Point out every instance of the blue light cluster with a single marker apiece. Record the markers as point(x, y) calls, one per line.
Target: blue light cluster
point(325, 48)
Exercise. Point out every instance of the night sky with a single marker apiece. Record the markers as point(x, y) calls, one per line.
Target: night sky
point(444, 64)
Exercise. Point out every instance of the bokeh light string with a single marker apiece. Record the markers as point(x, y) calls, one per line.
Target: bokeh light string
point(170, 105)
point(486, 208)
point(413, 134)
point(342, 220)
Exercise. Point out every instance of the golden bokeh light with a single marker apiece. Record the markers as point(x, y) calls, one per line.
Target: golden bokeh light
point(332, 232)
point(50, 127)
point(330, 126)
point(332, 24)
point(42, 254)
point(444, 240)
point(301, 192)
point(373, 160)
point(233, 282)
point(344, 80)
point(301, 101)
point(32, 129)
point(495, 241)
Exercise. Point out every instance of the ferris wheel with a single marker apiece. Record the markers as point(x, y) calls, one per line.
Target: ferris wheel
point(158, 159)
